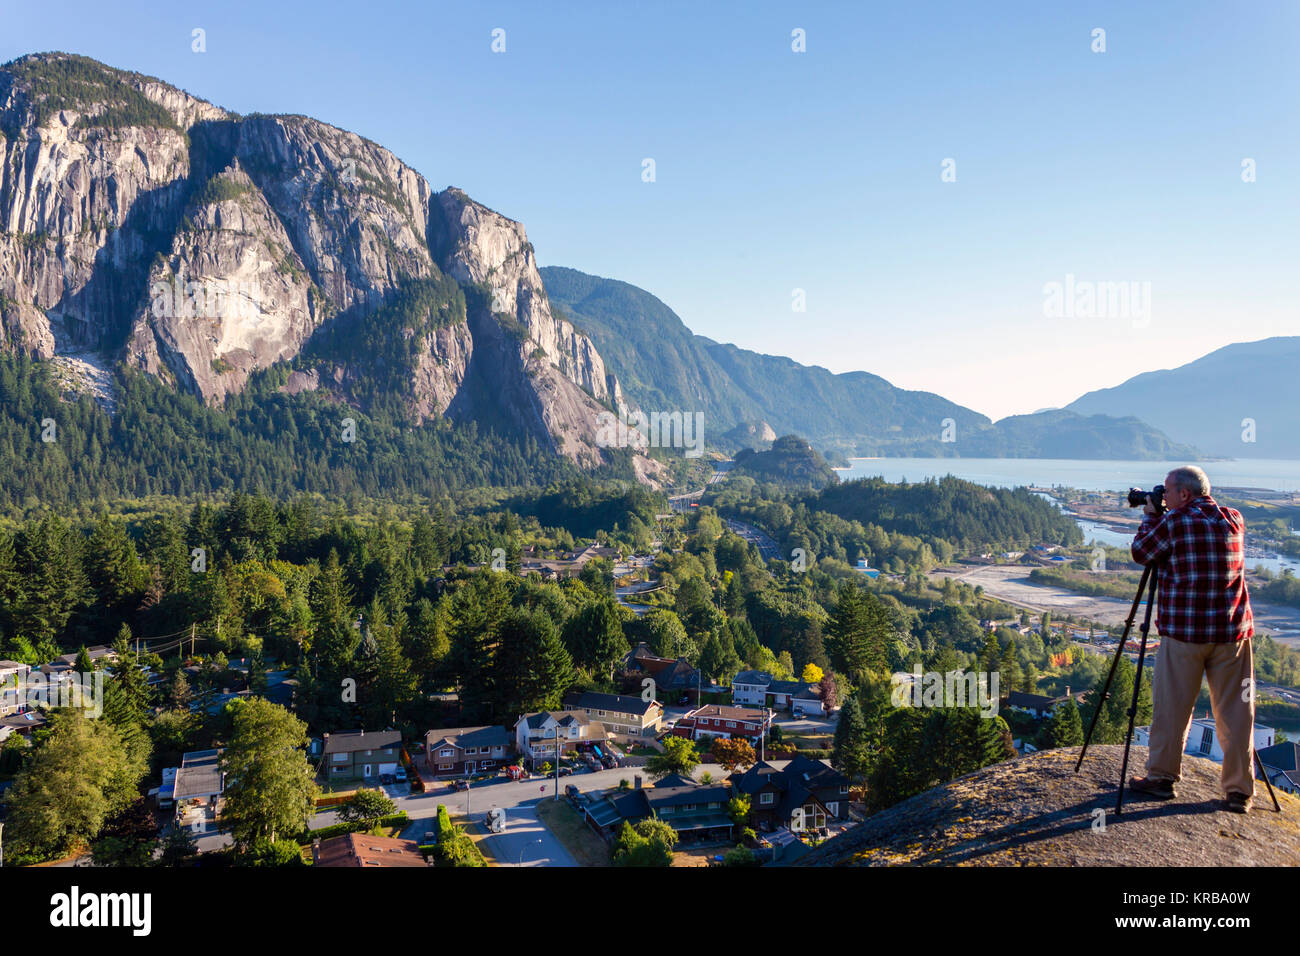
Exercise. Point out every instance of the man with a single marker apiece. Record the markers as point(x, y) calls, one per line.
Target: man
point(1205, 624)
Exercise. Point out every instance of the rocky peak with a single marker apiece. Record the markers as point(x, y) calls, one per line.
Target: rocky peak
point(481, 247)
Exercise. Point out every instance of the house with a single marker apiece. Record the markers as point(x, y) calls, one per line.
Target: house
point(721, 720)
point(22, 724)
point(536, 735)
point(865, 568)
point(197, 790)
point(465, 750)
point(1203, 739)
point(1036, 705)
point(761, 689)
point(805, 795)
point(360, 850)
point(361, 755)
point(13, 697)
point(623, 716)
point(99, 655)
point(1282, 765)
point(698, 812)
point(672, 678)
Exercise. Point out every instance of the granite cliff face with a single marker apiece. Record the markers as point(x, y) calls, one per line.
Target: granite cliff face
point(231, 295)
point(141, 224)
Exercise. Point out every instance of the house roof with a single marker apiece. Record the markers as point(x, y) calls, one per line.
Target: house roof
point(752, 677)
point(674, 790)
point(795, 688)
point(618, 703)
point(23, 722)
point(728, 712)
point(199, 776)
point(352, 741)
point(1283, 756)
point(362, 850)
point(492, 736)
point(565, 718)
point(1018, 698)
point(797, 780)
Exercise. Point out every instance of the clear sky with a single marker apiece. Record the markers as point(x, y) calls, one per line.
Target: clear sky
point(821, 170)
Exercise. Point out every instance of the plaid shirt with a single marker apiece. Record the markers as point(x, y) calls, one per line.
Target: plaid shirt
point(1202, 596)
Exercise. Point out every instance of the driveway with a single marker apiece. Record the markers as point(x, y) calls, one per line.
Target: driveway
point(807, 725)
point(525, 841)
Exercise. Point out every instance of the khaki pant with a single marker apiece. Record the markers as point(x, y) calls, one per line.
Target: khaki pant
point(1230, 669)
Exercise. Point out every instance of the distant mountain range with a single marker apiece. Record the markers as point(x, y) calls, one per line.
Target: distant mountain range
point(1241, 401)
point(746, 396)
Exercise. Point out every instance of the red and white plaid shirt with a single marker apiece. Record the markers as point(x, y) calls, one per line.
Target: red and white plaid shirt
point(1202, 596)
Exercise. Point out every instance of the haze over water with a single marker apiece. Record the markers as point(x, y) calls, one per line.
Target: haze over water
point(1087, 475)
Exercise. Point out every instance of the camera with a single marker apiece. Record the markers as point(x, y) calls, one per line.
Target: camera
point(1137, 498)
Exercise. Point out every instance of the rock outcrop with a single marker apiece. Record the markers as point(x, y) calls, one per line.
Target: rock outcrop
point(141, 223)
point(1036, 811)
point(556, 381)
point(232, 295)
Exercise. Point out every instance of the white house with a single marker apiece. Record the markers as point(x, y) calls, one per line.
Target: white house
point(1203, 739)
point(761, 689)
point(537, 735)
point(12, 700)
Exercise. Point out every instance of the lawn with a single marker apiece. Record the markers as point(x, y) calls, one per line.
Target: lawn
point(571, 830)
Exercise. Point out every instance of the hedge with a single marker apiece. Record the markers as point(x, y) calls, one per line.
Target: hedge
point(339, 829)
point(454, 848)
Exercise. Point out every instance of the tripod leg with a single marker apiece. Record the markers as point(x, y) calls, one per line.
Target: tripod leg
point(1105, 689)
point(1268, 783)
point(1137, 690)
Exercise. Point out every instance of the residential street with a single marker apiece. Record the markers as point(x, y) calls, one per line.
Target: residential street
point(523, 830)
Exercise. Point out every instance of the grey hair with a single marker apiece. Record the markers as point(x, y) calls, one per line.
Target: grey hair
point(1190, 478)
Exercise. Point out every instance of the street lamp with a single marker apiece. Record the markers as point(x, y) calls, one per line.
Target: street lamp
point(523, 848)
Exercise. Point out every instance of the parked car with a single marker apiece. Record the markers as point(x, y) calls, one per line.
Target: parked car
point(399, 775)
point(460, 783)
point(385, 778)
point(571, 791)
point(565, 771)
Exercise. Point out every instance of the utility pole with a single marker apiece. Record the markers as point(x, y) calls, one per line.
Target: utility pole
point(192, 628)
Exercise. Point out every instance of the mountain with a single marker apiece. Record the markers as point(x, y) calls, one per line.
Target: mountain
point(146, 227)
point(790, 461)
point(1036, 811)
point(1208, 402)
point(747, 396)
point(666, 366)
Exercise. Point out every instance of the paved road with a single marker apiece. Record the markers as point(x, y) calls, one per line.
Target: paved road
point(766, 545)
point(525, 841)
point(682, 503)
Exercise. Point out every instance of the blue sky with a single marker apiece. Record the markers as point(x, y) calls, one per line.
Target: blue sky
point(820, 170)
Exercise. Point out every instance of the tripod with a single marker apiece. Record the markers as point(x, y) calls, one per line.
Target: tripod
point(1148, 584)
